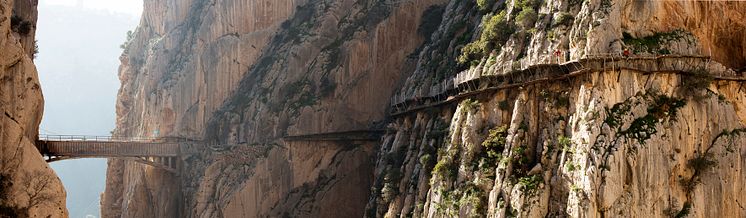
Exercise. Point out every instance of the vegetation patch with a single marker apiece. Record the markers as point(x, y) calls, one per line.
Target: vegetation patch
point(526, 18)
point(128, 40)
point(653, 44)
point(484, 5)
point(496, 30)
point(471, 104)
point(530, 184)
point(643, 128)
point(616, 113)
point(495, 142)
point(446, 169)
point(570, 166)
point(563, 18)
point(492, 147)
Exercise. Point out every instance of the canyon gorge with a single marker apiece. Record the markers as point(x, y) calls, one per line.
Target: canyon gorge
point(409, 108)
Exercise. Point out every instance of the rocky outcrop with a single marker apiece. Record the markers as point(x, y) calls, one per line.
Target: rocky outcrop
point(28, 187)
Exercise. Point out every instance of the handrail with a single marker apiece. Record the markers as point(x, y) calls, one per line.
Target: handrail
point(95, 138)
point(448, 87)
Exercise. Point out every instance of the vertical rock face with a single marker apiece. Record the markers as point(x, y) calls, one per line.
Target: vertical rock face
point(243, 74)
point(28, 187)
point(238, 77)
point(605, 143)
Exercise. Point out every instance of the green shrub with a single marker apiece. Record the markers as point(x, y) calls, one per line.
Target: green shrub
point(495, 142)
point(526, 18)
point(529, 184)
point(472, 51)
point(496, 31)
point(563, 18)
point(570, 166)
point(528, 4)
point(653, 44)
point(564, 142)
point(128, 40)
point(471, 104)
point(484, 5)
point(425, 160)
point(445, 169)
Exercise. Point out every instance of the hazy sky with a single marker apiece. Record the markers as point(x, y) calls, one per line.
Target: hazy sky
point(128, 7)
point(77, 62)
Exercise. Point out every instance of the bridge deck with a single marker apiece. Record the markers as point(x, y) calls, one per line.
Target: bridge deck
point(110, 149)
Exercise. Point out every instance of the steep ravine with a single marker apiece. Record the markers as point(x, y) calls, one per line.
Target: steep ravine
point(28, 187)
point(240, 76)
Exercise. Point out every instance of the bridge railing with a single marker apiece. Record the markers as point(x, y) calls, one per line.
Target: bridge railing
point(95, 138)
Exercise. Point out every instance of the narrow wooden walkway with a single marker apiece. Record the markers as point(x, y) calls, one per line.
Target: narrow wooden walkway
point(355, 135)
point(483, 79)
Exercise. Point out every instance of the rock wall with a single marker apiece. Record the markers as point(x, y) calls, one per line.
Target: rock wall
point(607, 143)
point(240, 75)
point(613, 143)
point(28, 187)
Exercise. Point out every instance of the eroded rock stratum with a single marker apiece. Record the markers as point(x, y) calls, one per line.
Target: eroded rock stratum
point(613, 141)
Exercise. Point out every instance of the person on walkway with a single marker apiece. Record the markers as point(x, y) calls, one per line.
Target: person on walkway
point(626, 53)
point(558, 54)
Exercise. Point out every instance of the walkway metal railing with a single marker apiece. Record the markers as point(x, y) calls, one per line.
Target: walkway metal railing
point(468, 80)
point(95, 138)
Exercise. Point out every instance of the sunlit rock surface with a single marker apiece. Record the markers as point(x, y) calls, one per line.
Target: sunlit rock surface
point(238, 76)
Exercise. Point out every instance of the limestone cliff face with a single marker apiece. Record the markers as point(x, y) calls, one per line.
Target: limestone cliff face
point(239, 76)
point(243, 74)
point(606, 143)
point(28, 187)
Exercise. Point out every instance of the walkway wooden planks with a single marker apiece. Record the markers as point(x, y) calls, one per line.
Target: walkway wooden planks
point(356, 135)
point(482, 79)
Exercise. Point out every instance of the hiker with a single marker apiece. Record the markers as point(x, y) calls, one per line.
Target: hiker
point(558, 54)
point(626, 53)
